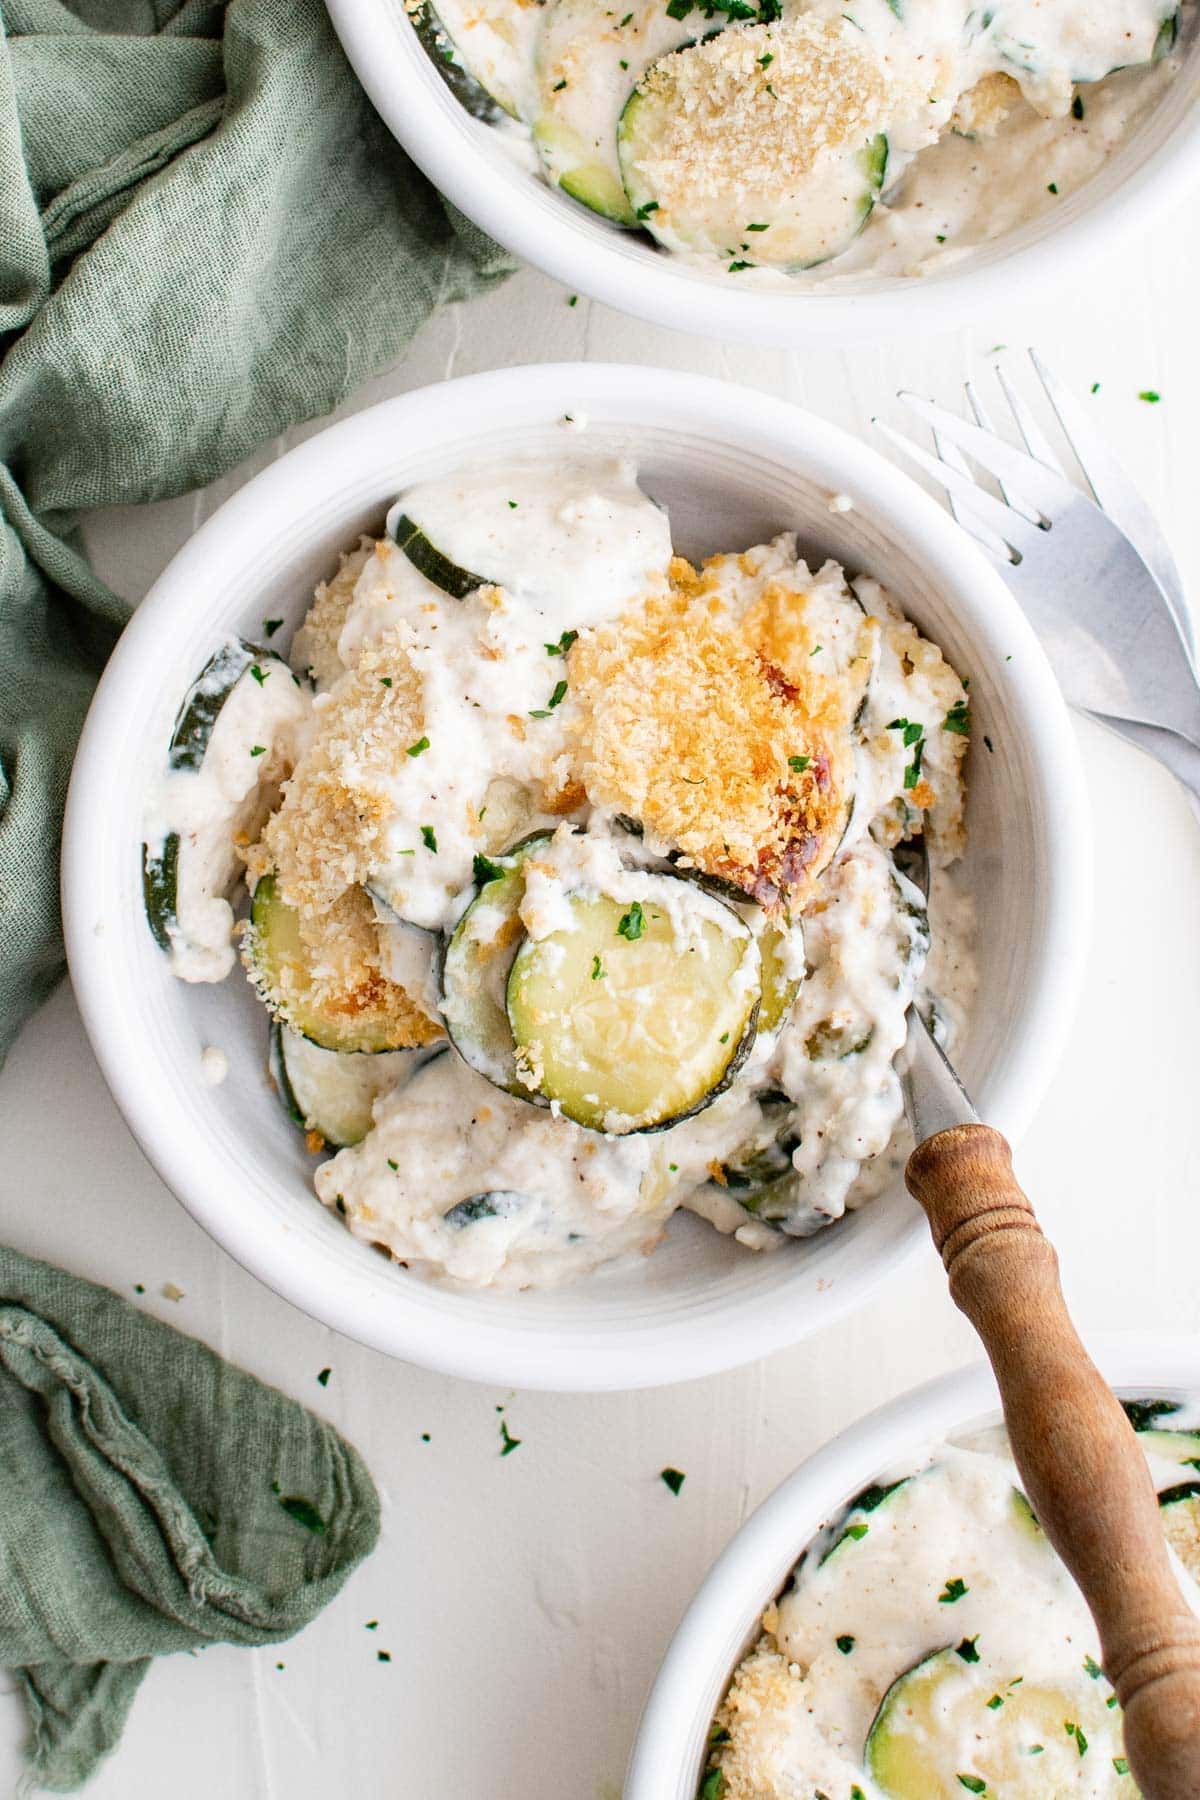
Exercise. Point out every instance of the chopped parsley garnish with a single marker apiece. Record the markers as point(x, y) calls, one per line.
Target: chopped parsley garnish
point(597, 969)
point(271, 626)
point(958, 719)
point(996, 1701)
point(651, 206)
point(736, 267)
point(674, 1478)
point(485, 870)
point(556, 699)
point(632, 924)
point(425, 1438)
point(857, 1532)
point(429, 838)
point(258, 749)
point(1076, 1731)
point(513, 504)
point(572, 299)
point(1095, 387)
point(1093, 1667)
point(954, 1590)
point(799, 763)
point(508, 1443)
point(974, 1784)
point(1052, 187)
point(1151, 396)
point(385, 681)
point(845, 1643)
point(559, 86)
point(967, 1649)
point(323, 1377)
point(304, 1513)
point(372, 1625)
point(1077, 107)
point(383, 1656)
point(1121, 1765)
point(563, 645)
point(260, 677)
point(758, 227)
point(139, 1287)
point(1034, 1750)
point(419, 748)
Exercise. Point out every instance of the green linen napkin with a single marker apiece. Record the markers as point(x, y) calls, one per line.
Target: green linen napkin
point(152, 1498)
point(206, 235)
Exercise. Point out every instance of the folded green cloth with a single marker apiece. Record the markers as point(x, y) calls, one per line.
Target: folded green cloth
point(206, 235)
point(152, 1498)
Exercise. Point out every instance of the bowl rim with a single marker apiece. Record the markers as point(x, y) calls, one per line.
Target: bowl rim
point(626, 395)
point(778, 1530)
point(660, 290)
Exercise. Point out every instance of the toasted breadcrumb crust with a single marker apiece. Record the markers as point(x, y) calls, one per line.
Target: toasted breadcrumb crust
point(982, 110)
point(686, 724)
point(762, 1695)
point(757, 107)
point(315, 645)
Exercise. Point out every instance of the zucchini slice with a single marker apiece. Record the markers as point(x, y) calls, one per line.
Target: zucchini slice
point(476, 964)
point(373, 1017)
point(856, 1522)
point(483, 49)
point(794, 226)
point(588, 62)
point(640, 1013)
point(949, 1724)
point(500, 1203)
point(428, 561)
point(1181, 1447)
point(202, 863)
point(1180, 1508)
point(329, 1091)
point(762, 1163)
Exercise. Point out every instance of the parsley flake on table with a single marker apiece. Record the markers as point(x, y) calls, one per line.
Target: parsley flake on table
point(1151, 396)
point(674, 1478)
point(323, 1377)
point(954, 1590)
point(372, 1625)
point(508, 1443)
point(383, 1656)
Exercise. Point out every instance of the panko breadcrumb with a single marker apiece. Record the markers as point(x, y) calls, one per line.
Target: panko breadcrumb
point(315, 645)
point(686, 726)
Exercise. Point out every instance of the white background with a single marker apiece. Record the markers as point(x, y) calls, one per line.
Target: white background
point(526, 1601)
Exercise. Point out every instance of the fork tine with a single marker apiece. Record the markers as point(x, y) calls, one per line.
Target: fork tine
point(1049, 491)
point(1116, 494)
point(983, 420)
point(1015, 531)
point(1032, 435)
point(953, 457)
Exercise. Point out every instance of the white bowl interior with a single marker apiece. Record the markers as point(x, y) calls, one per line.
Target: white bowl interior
point(724, 1620)
point(733, 468)
point(467, 162)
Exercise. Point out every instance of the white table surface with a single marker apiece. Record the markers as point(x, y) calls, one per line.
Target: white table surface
point(526, 1601)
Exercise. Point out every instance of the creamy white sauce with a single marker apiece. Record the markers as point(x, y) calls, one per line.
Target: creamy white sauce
point(582, 544)
point(958, 175)
point(949, 1559)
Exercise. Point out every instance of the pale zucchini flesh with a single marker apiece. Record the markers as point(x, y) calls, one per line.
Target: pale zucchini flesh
point(279, 966)
point(950, 1725)
point(332, 1092)
point(475, 968)
point(627, 1026)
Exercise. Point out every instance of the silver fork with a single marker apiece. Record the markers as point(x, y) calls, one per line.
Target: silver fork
point(1095, 576)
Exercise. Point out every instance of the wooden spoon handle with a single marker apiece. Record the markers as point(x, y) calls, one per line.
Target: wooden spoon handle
point(1083, 1469)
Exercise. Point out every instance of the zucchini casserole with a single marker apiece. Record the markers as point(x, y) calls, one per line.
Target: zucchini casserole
point(573, 887)
point(760, 137)
point(930, 1644)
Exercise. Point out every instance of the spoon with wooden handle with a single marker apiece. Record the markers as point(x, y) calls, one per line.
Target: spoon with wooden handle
point(1083, 1469)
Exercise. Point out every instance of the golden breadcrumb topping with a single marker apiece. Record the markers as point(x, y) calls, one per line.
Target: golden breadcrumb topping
point(315, 645)
point(685, 724)
point(982, 110)
point(762, 1695)
point(760, 106)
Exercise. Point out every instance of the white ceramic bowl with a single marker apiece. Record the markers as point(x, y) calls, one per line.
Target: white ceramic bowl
point(733, 467)
point(1154, 170)
point(723, 1621)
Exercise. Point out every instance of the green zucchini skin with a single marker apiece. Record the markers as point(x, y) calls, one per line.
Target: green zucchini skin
point(329, 1091)
point(160, 888)
point(188, 746)
point(428, 561)
point(499, 1203)
point(439, 47)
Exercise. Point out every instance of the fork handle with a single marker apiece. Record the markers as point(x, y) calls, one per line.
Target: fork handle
point(1082, 1467)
